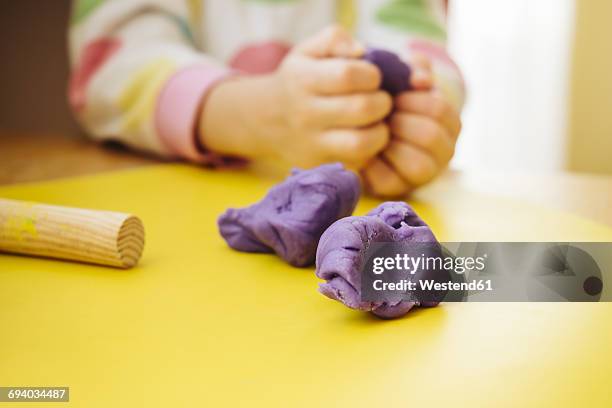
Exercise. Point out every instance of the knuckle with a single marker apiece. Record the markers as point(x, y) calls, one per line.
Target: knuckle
point(353, 158)
point(361, 148)
point(358, 163)
point(450, 152)
point(371, 106)
point(346, 75)
point(362, 105)
point(381, 133)
point(421, 171)
point(390, 187)
point(370, 75)
point(443, 157)
point(431, 135)
point(355, 144)
point(446, 155)
point(440, 108)
point(385, 101)
point(375, 76)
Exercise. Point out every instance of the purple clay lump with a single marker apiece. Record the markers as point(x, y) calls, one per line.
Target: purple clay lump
point(395, 73)
point(290, 219)
point(342, 248)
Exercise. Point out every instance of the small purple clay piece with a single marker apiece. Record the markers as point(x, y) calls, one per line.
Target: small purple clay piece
point(290, 219)
point(342, 247)
point(395, 73)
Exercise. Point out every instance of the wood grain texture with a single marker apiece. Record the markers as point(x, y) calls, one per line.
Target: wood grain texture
point(36, 156)
point(100, 237)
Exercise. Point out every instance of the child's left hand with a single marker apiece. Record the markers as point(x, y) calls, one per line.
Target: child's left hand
point(424, 129)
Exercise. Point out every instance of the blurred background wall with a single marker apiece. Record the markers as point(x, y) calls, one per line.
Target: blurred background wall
point(538, 75)
point(34, 67)
point(515, 56)
point(539, 84)
point(590, 121)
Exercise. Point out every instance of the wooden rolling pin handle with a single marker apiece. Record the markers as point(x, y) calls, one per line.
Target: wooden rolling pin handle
point(100, 237)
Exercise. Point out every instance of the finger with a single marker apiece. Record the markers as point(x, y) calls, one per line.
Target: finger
point(421, 62)
point(413, 164)
point(425, 133)
point(422, 72)
point(421, 81)
point(339, 76)
point(354, 147)
point(353, 110)
point(432, 106)
point(382, 181)
point(334, 41)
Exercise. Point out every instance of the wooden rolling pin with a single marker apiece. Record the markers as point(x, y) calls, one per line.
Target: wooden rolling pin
point(100, 237)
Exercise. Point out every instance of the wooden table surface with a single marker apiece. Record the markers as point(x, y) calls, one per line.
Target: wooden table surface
point(35, 157)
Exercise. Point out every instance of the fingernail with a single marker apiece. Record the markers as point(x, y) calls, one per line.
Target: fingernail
point(421, 79)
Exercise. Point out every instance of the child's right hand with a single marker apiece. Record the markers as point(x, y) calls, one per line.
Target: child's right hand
point(322, 105)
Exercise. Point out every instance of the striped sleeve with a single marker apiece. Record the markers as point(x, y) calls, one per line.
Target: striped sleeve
point(136, 74)
point(408, 27)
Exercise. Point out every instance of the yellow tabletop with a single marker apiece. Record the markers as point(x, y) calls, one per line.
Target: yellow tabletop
point(197, 324)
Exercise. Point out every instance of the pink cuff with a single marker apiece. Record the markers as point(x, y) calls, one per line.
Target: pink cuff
point(178, 108)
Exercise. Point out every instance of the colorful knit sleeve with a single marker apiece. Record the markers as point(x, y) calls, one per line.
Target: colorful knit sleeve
point(137, 76)
point(408, 27)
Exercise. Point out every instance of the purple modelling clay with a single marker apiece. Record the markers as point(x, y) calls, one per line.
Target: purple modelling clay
point(395, 73)
point(342, 248)
point(290, 219)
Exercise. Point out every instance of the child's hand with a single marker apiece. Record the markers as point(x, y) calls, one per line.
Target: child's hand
point(424, 130)
point(322, 105)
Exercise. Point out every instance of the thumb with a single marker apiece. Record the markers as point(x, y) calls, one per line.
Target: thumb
point(333, 41)
point(422, 73)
